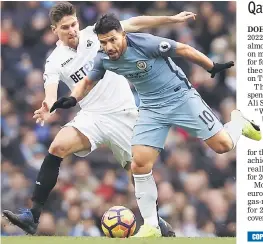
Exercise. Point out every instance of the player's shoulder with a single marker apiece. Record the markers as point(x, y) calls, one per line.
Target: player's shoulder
point(139, 38)
point(143, 43)
point(54, 60)
point(55, 55)
point(139, 34)
point(88, 31)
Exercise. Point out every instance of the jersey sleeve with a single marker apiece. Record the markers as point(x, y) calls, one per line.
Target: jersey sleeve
point(51, 73)
point(98, 69)
point(155, 46)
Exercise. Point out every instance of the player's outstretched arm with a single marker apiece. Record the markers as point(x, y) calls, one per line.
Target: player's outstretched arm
point(83, 87)
point(199, 58)
point(139, 23)
point(51, 91)
point(42, 114)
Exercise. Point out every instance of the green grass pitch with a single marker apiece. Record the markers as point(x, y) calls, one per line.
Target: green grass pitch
point(104, 240)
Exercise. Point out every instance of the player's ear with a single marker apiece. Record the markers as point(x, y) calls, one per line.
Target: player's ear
point(54, 29)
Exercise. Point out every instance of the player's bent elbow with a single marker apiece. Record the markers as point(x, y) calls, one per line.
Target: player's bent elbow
point(88, 83)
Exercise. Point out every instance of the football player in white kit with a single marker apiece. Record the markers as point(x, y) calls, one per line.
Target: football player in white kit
point(108, 113)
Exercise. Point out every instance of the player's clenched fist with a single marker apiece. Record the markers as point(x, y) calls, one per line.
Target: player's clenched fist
point(220, 67)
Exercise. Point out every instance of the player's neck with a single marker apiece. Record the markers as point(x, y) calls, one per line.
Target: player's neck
point(124, 46)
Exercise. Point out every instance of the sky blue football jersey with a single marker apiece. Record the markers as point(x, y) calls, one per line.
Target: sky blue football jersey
point(147, 64)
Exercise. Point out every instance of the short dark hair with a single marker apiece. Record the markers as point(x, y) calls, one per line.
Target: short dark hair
point(107, 23)
point(59, 10)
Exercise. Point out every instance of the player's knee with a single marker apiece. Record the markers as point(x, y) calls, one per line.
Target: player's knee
point(58, 150)
point(139, 166)
point(223, 146)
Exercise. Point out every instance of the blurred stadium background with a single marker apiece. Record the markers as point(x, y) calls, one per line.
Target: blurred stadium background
point(196, 186)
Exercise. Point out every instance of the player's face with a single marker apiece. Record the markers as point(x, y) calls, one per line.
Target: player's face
point(67, 30)
point(113, 43)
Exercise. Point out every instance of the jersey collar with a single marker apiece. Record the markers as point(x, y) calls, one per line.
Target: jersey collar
point(60, 44)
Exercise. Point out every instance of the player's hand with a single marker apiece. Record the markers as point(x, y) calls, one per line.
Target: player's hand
point(220, 67)
point(64, 102)
point(183, 16)
point(41, 115)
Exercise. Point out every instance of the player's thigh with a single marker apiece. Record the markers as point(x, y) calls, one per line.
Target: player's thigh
point(144, 158)
point(196, 117)
point(119, 129)
point(89, 125)
point(120, 126)
point(149, 131)
point(69, 140)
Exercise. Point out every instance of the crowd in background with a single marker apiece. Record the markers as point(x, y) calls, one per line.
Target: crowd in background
point(196, 186)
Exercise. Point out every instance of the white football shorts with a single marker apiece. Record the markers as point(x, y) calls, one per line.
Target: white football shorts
point(113, 129)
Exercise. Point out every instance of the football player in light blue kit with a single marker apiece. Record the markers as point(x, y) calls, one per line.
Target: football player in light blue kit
point(166, 99)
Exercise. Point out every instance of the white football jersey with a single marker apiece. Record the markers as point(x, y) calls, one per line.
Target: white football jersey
point(111, 94)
